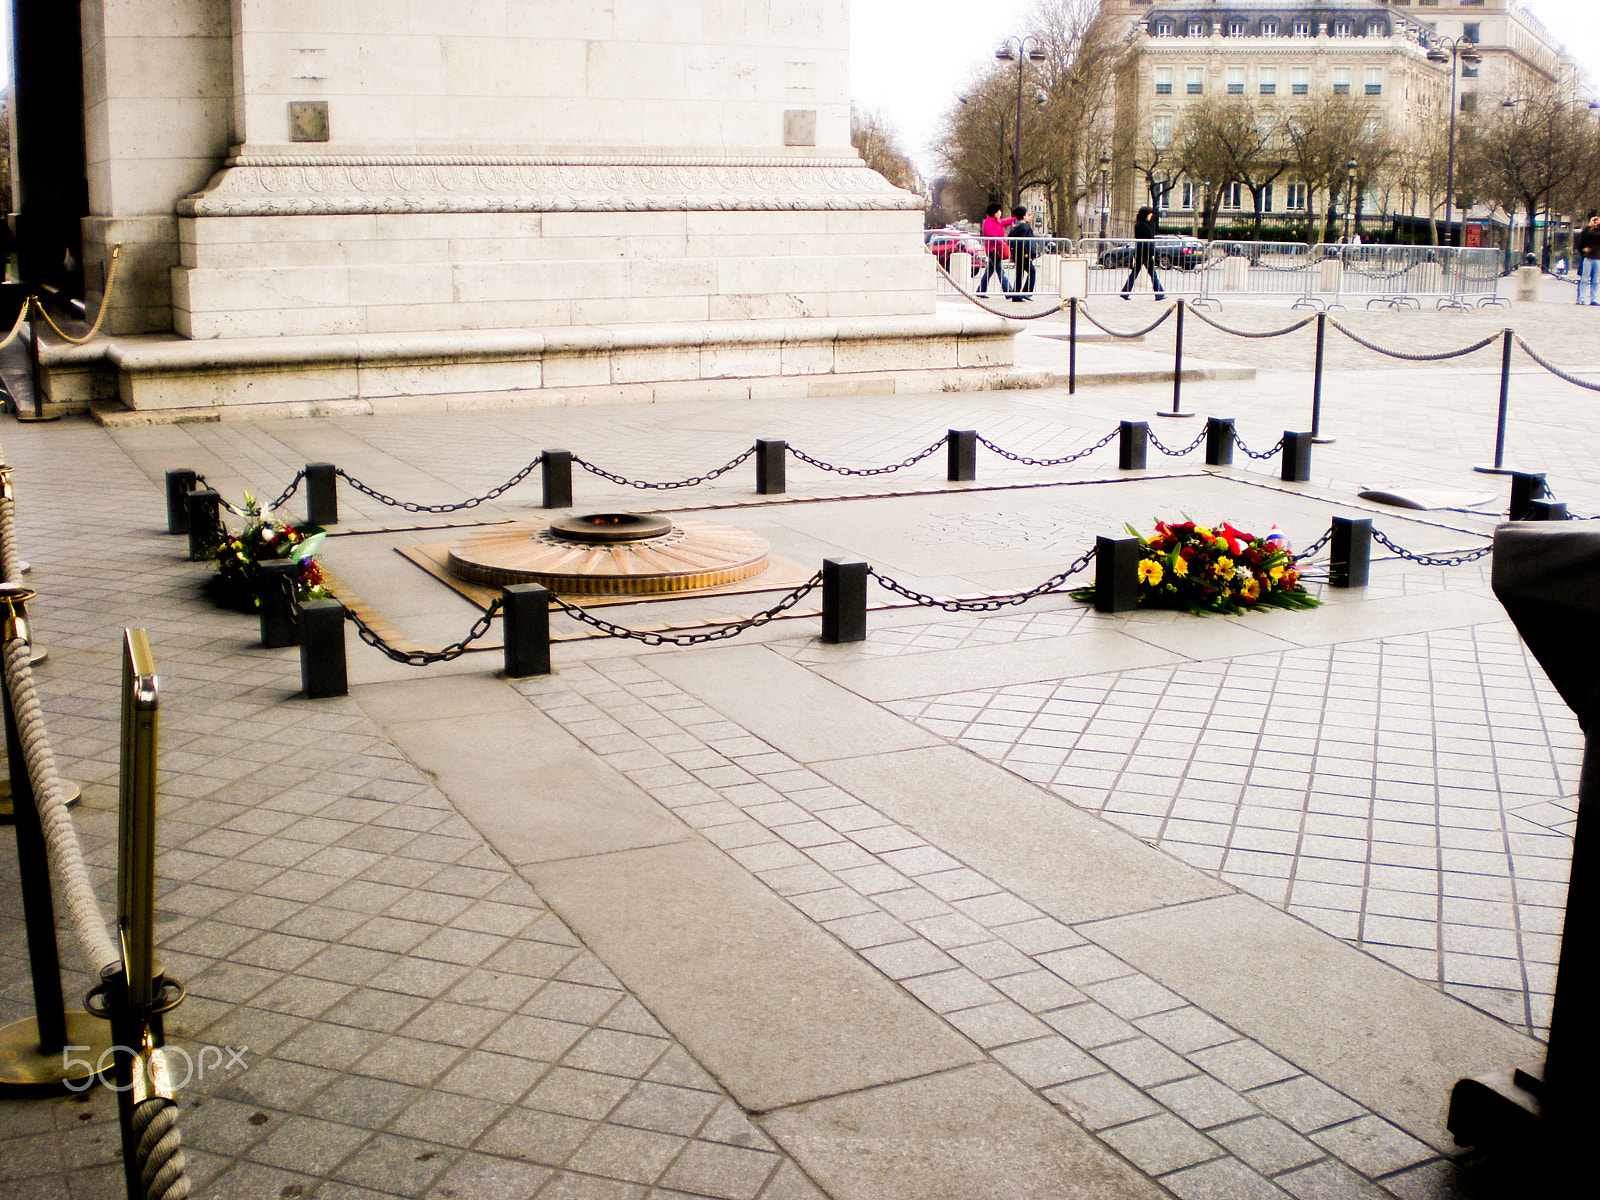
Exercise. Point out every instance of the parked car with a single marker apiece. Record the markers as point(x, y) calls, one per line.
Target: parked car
point(1184, 253)
point(942, 243)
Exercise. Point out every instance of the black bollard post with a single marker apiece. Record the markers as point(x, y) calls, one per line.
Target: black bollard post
point(1316, 381)
point(1350, 548)
point(322, 665)
point(556, 470)
point(1505, 402)
point(770, 460)
point(1116, 574)
point(1072, 346)
point(278, 584)
point(1526, 487)
point(1219, 441)
point(525, 615)
point(322, 494)
point(1177, 368)
point(179, 485)
point(961, 455)
point(205, 523)
point(844, 601)
point(1296, 457)
point(1133, 445)
point(1546, 510)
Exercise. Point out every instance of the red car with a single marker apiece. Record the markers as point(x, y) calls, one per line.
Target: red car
point(942, 243)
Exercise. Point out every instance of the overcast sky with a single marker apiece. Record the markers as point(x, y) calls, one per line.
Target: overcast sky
point(909, 61)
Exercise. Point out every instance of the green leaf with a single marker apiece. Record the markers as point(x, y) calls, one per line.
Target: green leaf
point(308, 547)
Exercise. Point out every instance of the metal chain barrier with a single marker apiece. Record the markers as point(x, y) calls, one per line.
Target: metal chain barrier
point(1171, 453)
point(294, 486)
point(1309, 551)
point(412, 506)
point(985, 603)
point(899, 466)
point(1049, 462)
point(424, 658)
point(1245, 333)
point(1259, 454)
point(105, 305)
point(717, 634)
point(1361, 341)
point(1453, 558)
point(663, 487)
point(1083, 311)
point(1552, 368)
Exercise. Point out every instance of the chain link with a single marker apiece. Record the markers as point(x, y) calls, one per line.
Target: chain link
point(412, 506)
point(1361, 341)
point(1050, 462)
point(1170, 453)
point(425, 658)
point(1303, 555)
point(1261, 454)
point(717, 634)
point(899, 466)
point(663, 487)
point(1555, 370)
point(294, 486)
point(985, 603)
point(1454, 558)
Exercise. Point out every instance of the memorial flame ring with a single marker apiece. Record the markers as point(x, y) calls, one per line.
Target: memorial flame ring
point(612, 554)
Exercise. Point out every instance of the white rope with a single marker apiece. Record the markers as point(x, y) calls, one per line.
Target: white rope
point(160, 1150)
point(68, 874)
point(10, 565)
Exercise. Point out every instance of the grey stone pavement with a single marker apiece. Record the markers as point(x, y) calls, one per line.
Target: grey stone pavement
point(1020, 904)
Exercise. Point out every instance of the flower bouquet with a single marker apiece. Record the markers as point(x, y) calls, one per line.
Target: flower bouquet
point(1215, 569)
point(237, 583)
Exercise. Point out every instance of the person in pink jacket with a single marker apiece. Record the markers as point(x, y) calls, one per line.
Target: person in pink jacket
point(994, 245)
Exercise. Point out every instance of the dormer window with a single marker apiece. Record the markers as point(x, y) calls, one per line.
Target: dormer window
point(1341, 29)
point(1197, 29)
point(1163, 29)
point(1376, 29)
point(1269, 28)
point(1302, 29)
point(1235, 28)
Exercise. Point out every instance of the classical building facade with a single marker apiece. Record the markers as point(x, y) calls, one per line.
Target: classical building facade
point(1283, 54)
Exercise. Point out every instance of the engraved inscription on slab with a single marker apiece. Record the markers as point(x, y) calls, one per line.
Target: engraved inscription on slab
point(800, 127)
point(308, 120)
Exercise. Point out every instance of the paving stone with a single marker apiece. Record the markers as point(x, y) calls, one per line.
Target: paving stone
point(1160, 1144)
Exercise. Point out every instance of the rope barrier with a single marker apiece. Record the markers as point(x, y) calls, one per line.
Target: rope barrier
point(1552, 368)
point(1361, 341)
point(16, 326)
point(69, 876)
point(912, 461)
point(1156, 324)
point(717, 634)
point(1010, 316)
point(1301, 324)
point(985, 603)
point(105, 305)
point(161, 1164)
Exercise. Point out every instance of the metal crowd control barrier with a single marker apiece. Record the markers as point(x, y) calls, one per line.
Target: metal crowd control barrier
point(1180, 265)
point(964, 268)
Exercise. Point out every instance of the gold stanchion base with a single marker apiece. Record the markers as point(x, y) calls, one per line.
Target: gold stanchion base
point(7, 815)
point(23, 1066)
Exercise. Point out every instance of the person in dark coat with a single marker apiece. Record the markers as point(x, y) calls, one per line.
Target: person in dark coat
point(1589, 259)
point(1144, 252)
point(1021, 236)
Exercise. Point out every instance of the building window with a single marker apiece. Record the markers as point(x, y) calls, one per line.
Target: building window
point(1163, 81)
point(1232, 196)
point(1370, 127)
point(1375, 29)
point(1163, 29)
point(1266, 198)
point(1197, 29)
point(1294, 197)
point(1235, 28)
point(1468, 71)
point(1235, 81)
point(1341, 29)
point(1469, 30)
point(1269, 81)
point(1194, 81)
point(1300, 81)
point(1188, 196)
point(1341, 81)
point(1269, 28)
point(1161, 131)
point(1469, 102)
point(1374, 81)
point(1302, 29)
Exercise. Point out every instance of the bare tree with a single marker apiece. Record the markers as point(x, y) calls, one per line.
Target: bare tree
point(1529, 149)
point(874, 139)
point(1202, 154)
point(1323, 138)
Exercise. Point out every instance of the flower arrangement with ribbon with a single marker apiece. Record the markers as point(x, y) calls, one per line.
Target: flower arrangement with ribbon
point(237, 583)
point(1215, 569)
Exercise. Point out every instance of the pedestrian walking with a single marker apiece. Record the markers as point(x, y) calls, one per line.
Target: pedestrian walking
point(995, 250)
point(1145, 230)
point(1024, 272)
point(1589, 249)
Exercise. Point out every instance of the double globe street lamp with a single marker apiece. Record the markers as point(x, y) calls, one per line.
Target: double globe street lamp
point(1029, 49)
point(1448, 50)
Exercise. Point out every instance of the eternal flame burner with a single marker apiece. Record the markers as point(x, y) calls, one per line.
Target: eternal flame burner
point(611, 554)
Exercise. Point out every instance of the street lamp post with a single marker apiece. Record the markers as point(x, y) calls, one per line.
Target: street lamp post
point(1105, 192)
point(1349, 195)
point(1459, 48)
point(1029, 49)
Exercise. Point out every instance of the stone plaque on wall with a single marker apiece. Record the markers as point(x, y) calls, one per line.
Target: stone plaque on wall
point(800, 127)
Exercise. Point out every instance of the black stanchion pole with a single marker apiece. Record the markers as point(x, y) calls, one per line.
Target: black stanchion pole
point(525, 615)
point(179, 485)
point(1350, 548)
point(1498, 467)
point(1072, 346)
point(205, 519)
point(1296, 462)
point(1219, 441)
point(1116, 574)
point(322, 494)
point(1132, 445)
point(556, 471)
point(770, 459)
point(322, 661)
point(961, 455)
point(1316, 381)
point(277, 603)
point(1177, 368)
point(844, 601)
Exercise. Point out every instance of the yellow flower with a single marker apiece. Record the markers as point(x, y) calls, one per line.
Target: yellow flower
point(1276, 573)
point(1251, 590)
point(1180, 566)
point(1149, 572)
point(1203, 532)
point(1223, 567)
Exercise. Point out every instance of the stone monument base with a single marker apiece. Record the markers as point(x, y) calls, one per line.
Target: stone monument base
point(153, 378)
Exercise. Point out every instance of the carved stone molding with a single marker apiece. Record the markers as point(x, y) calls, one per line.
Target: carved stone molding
point(293, 185)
